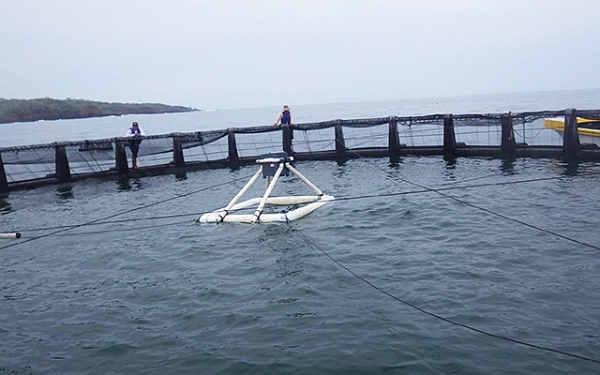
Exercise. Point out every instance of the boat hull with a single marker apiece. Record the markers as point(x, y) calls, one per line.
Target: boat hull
point(585, 127)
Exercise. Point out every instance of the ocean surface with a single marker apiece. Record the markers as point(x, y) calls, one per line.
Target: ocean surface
point(423, 265)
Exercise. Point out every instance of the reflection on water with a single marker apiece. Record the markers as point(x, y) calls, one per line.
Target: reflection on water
point(571, 167)
point(234, 167)
point(395, 161)
point(4, 205)
point(126, 184)
point(251, 290)
point(64, 192)
point(450, 161)
point(507, 166)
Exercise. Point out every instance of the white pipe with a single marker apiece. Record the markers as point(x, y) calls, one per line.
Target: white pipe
point(216, 217)
point(269, 218)
point(261, 205)
point(304, 179)
point(269, 160)
point(245, 204)
point(244, 189)
point(289, 201)
point(303, 211)
point(10, 235)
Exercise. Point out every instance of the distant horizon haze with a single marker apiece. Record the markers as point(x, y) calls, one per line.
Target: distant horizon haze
point(231, 54)
point(432, 98)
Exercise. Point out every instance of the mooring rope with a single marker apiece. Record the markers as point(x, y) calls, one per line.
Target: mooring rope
point(439, 317)
point(312, 243)
point(439, 191)
point(436, 316)
point(370, 196)
point(337, 199)
point(137, 229)
point(118, 214)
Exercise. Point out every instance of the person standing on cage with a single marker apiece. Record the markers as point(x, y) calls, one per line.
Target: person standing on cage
point(135, 133)
point(285, 118)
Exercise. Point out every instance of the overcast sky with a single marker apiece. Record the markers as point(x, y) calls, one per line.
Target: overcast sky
point(257, 53)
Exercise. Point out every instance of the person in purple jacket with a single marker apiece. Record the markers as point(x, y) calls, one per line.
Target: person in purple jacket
point(285, 118)
point(135, 133)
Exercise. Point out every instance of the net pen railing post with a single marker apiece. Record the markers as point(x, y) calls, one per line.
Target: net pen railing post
point(571, 144)
point(508, 144)
point(449, 136)
point(121, 157)
point(393, 137)
point(340, 142)
point(232, 147)
point(178, 158)
point(287, 137)
point(3, 180)
point(62, 170)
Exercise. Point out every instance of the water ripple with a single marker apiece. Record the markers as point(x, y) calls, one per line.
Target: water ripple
point(269, 299)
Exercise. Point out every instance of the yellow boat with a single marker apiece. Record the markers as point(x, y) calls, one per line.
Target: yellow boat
point(588, 129)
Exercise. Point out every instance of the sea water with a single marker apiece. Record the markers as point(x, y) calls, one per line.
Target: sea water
point(41, 132)
point(422, 265)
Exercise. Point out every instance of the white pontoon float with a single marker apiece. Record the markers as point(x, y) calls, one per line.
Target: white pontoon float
point(9, 235)
point(272, 167)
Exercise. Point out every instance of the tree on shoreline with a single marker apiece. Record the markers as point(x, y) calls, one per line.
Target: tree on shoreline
point(19, 110)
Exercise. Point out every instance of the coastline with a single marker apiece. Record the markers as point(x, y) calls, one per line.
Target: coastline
point(44, 109)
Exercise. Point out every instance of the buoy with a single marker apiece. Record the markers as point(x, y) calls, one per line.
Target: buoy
point(10, 235)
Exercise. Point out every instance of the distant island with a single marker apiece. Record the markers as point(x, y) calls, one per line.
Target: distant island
point(18, 110)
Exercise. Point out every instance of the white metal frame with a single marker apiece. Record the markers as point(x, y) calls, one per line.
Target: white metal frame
point(311, 203)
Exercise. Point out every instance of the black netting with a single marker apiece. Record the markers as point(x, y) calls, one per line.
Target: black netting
point(256, 144)
point(359, 137)
point(315, 140)
point(319, 139)
point(419, 132)
point(481, 131)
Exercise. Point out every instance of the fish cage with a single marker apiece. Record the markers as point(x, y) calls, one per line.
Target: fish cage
point(505, 135)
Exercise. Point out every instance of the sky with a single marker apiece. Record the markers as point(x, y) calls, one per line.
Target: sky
point(222, 54)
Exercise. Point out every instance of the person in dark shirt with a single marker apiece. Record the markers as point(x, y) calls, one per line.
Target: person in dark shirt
point(134, 133)
point(285, 117)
